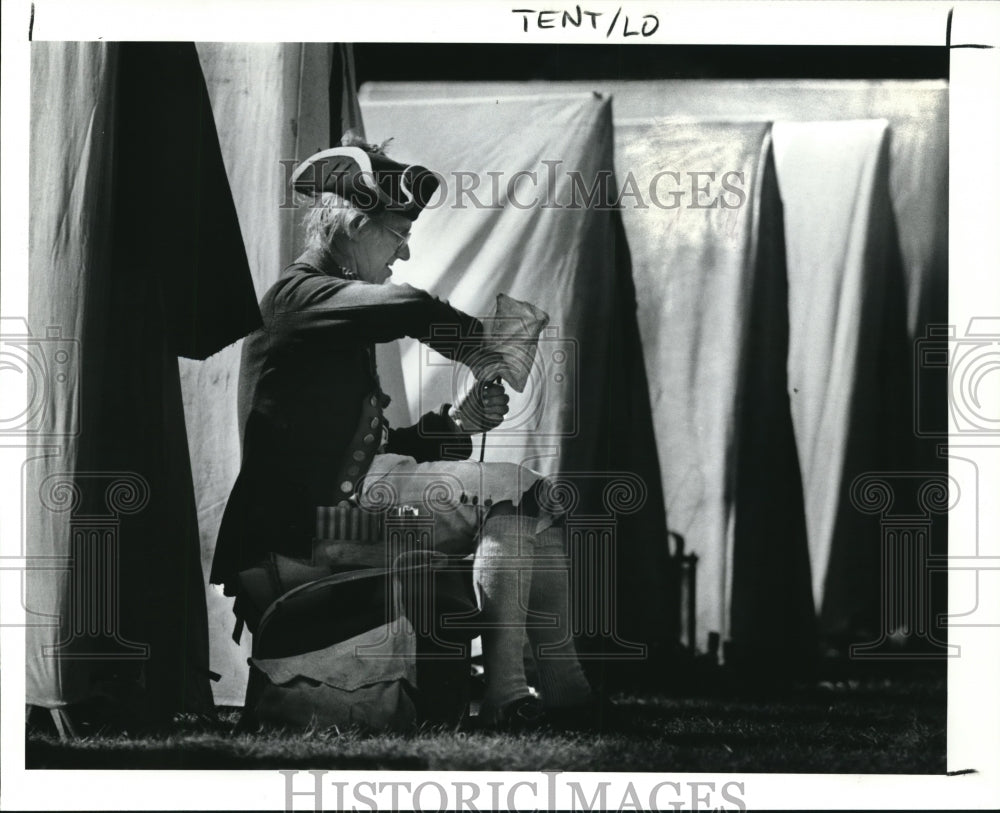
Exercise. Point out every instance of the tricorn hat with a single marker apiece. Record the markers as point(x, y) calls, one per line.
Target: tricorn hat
point(370, 181)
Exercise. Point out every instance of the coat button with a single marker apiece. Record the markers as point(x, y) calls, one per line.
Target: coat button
point(463, 499)
point(487, 502)
point(359, 455)
point(475, 499)
point(374, 423)
point(347, 486)
point(373, 401)
point(369, 438)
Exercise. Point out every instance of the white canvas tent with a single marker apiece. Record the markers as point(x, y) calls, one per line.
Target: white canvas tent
point(850, 358)
point(713, 317)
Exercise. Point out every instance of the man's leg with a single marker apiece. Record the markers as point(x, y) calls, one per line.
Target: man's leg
point(516, 569)
point(561, 679)
point(502, 573)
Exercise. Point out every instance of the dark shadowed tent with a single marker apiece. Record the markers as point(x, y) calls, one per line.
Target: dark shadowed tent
point(136, 259)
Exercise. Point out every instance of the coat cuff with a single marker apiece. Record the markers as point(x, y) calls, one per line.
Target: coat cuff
point(433, 438)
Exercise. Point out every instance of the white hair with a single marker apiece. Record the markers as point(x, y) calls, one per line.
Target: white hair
point(333, 217)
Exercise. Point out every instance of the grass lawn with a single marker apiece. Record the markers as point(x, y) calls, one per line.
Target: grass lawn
point(858, 726)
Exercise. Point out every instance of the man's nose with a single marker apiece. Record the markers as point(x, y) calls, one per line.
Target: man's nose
point(404, 252)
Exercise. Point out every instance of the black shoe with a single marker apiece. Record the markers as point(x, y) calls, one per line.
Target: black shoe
point(524, 714)
point(247, 723)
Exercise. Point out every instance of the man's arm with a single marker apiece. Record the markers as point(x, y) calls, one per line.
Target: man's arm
point(333, 308)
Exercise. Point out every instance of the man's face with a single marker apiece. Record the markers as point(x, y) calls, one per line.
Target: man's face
point(380, 242)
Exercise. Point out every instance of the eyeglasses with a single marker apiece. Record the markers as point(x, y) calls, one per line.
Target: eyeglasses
point(403, 238)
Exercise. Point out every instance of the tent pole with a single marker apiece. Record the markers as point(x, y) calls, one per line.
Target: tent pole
point(63, 724)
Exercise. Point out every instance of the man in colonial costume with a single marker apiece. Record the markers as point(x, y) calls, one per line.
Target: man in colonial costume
point(314, 433)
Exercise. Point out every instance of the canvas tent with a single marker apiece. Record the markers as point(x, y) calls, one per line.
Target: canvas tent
point(711, 281)
point(849, 362)
point(138, 257)
point(272, 102)
point(124, 278)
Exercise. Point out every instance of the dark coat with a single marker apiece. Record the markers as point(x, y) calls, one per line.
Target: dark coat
point(310, 405)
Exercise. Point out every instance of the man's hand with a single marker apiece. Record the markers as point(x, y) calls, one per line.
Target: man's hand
point(481, 409)
point(486, 365)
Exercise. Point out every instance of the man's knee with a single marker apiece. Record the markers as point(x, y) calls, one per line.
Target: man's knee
point(528, 506)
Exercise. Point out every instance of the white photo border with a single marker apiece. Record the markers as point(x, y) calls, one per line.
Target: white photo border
point(974, 263)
